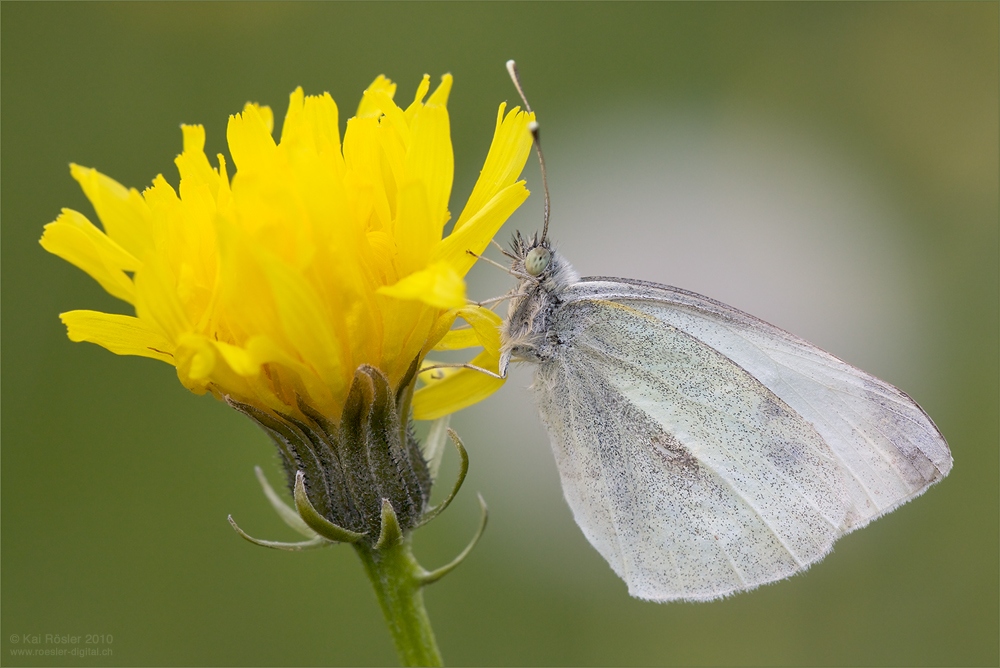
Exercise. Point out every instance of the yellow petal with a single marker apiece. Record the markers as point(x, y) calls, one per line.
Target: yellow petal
point(307, 324)
point(458, 390)
point(224, 197)
point(198, 358)
point(121, 334)
point(266, 115)
point(156, 299)
point(363, 156)
point(75, 239)
point(322, 117)
point(369, 106)
point(193, 164)
point(440, 95)
point(430, 160)
point(416, 232)
point(425, 85)
point(393, 152)
point(249, 137)
point(471, 313)
point(244, 292)
point(394, 116)
point(504, 162)
point(458, 339)
point(485, 331)
point(405, 326)
point(123, 212)
point(201, 368)
point(241, 360)
point(312, 123)
point(438, 285)
point(453, 390)
point(294, 121)
point(261, 350)
point(160, 196)
point(475, 235)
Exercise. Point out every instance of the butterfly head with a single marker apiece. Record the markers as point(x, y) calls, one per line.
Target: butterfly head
point(537, 260)
point(538, 263)
point(531, 255)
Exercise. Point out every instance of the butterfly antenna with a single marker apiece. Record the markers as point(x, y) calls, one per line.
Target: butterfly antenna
point(533, 127)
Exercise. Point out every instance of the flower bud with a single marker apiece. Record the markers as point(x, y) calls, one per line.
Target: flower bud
point(351, 466)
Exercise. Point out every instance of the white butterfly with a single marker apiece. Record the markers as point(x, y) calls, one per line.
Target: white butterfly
point(701, 450)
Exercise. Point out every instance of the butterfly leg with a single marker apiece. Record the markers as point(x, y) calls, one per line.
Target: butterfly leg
point(496, 300)
point(458, 365)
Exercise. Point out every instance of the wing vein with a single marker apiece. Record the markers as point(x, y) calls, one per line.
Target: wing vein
point(634, 368)
point(726, 479)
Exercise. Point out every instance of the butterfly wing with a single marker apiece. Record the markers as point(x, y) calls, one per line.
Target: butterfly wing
point(890, 448)
point(704, 452)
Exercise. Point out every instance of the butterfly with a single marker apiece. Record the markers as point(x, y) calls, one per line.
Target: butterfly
point(701, 450)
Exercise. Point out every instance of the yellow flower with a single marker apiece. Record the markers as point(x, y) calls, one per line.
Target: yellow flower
point(318, 257)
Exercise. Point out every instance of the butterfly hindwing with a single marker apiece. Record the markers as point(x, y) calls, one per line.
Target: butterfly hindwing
point(689, 476)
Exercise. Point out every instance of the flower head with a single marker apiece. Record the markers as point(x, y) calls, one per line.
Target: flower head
point(318, 257)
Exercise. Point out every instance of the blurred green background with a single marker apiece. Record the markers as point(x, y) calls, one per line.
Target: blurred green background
point(831, 168)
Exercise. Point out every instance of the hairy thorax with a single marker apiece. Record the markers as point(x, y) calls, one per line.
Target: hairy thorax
point(527, 335)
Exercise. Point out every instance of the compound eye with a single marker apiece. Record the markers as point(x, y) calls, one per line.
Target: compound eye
point(537, 260)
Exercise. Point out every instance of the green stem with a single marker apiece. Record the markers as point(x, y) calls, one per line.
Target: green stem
point(396, 577)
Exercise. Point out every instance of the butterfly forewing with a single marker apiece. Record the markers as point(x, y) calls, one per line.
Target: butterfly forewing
point(888, 447)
